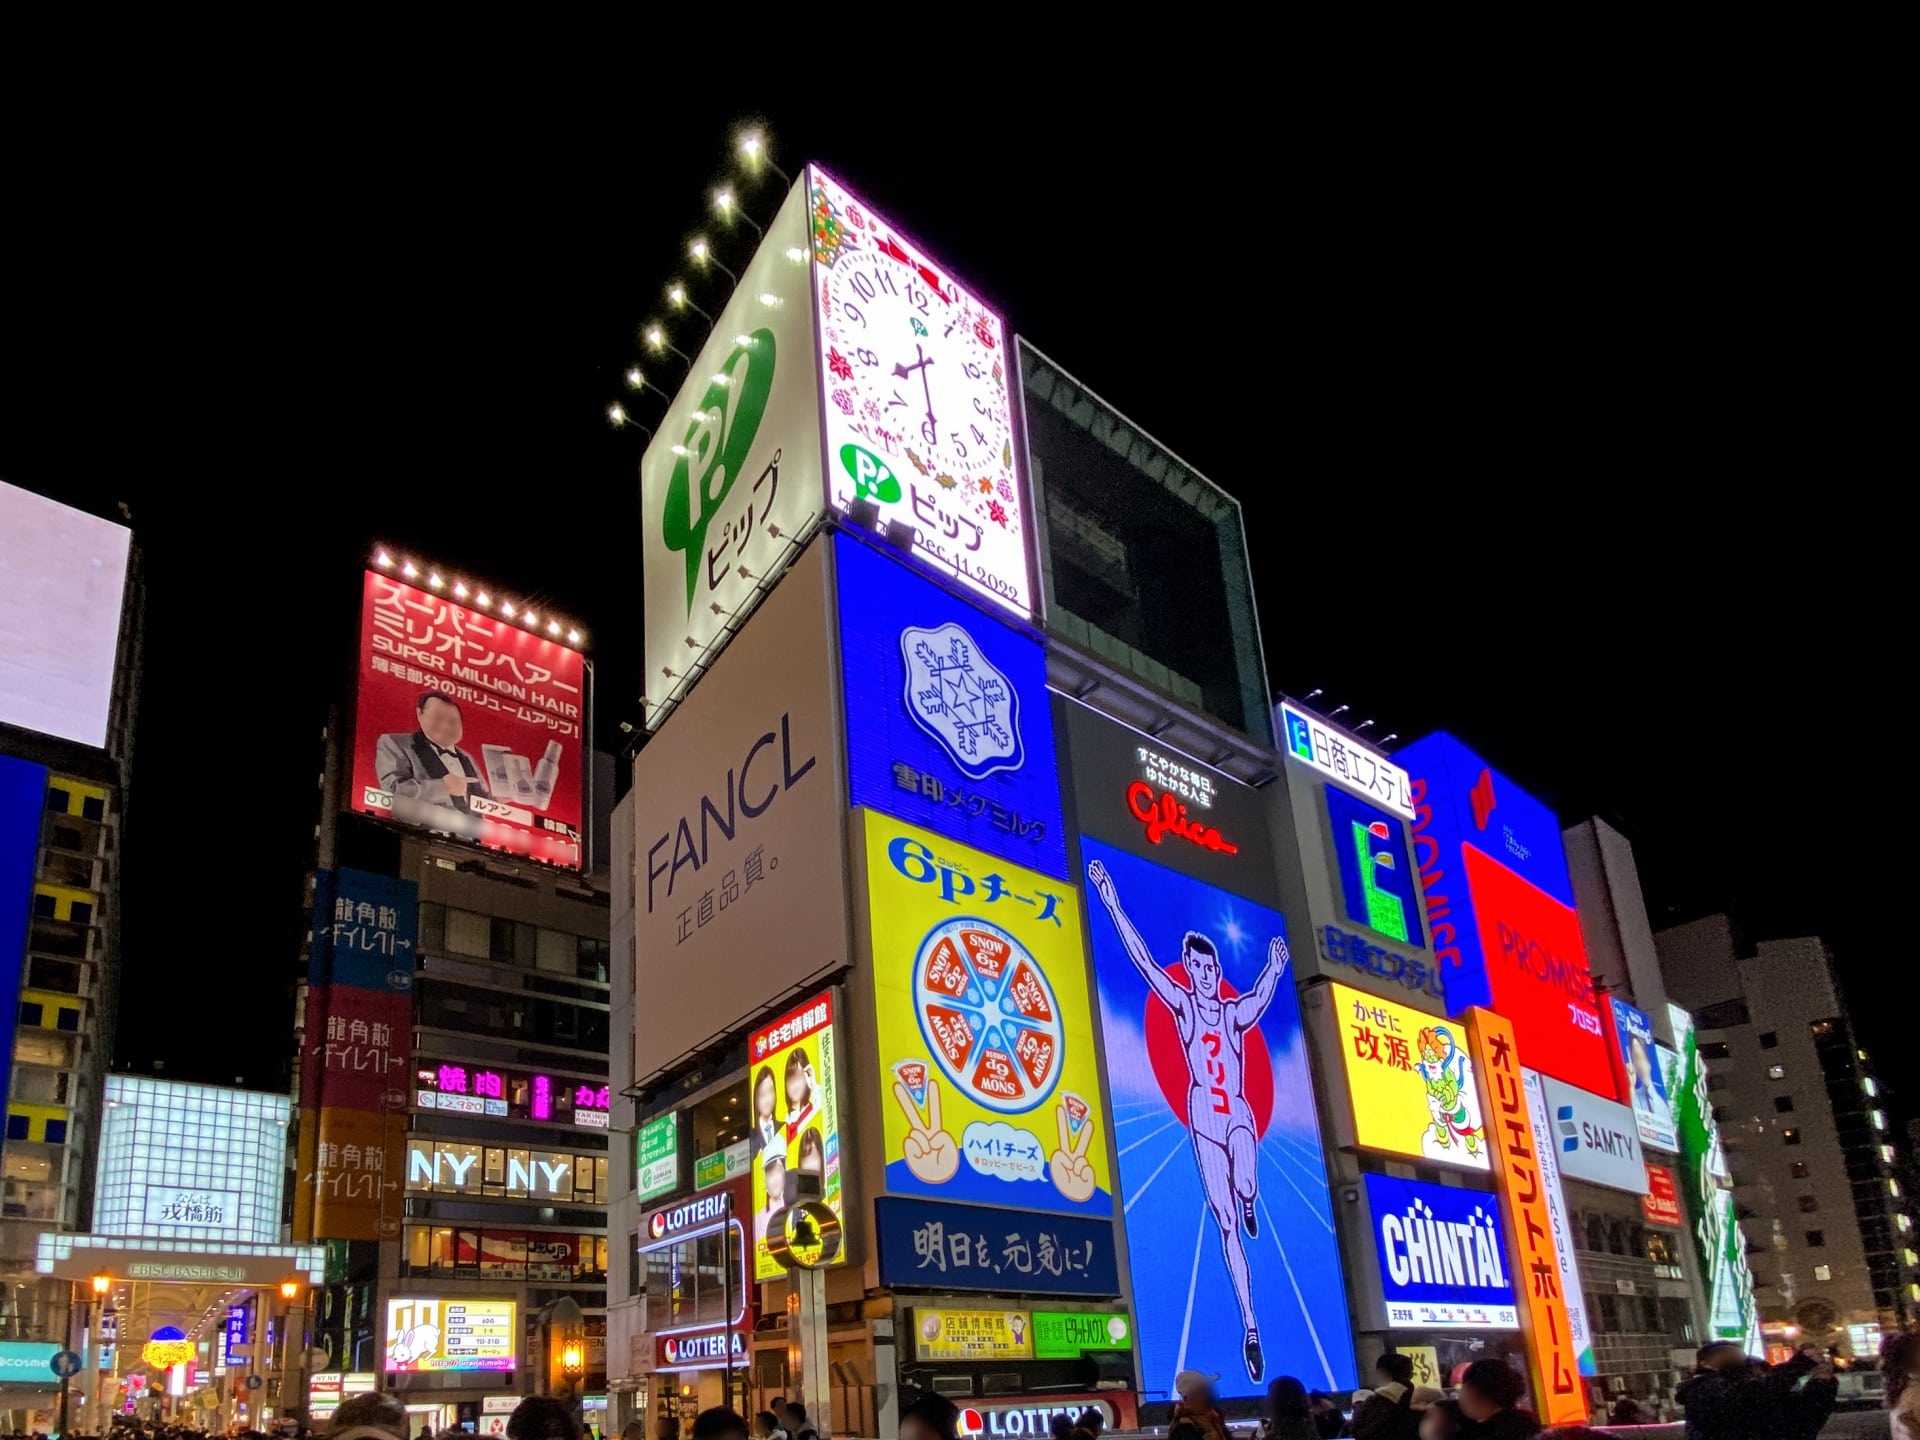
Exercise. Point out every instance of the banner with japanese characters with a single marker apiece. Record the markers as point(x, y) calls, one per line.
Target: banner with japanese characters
point(793, 1067)
point(468, 723)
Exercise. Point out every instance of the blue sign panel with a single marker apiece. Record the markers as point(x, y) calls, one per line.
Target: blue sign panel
point(23, 799)
point(948, 721)
point(1443, 1265)
point(1473, 802)
point(236, 1328)
point(928, 1245)
point(1376, 879)
point(363, 930)
point(1221, 1168)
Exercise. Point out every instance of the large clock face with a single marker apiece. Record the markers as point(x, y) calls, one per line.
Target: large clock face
point(918, 411)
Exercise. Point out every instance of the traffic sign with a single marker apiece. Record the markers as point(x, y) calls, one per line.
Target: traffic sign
point(65, 1363)
point(254, 1382)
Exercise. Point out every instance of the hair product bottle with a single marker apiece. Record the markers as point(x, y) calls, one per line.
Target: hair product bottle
point(544, 776)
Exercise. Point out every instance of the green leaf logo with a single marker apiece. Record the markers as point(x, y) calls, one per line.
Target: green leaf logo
point(716, 448)
point(872, 480)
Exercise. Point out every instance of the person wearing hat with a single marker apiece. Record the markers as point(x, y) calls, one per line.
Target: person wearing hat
point(1197, 1404)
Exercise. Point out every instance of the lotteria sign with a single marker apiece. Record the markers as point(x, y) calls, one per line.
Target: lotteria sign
point(1021, 1419)
point(698, 1349)
point(707, 1211)
point(1442, 1258)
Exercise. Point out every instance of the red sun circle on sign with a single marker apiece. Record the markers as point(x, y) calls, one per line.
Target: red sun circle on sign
point(1169, 1058)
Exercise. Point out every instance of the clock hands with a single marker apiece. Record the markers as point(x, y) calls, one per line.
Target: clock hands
point(932, 428)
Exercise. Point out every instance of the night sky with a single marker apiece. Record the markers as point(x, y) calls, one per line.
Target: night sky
point(1554, 440)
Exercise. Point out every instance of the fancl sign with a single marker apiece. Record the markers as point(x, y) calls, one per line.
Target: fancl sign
point(1442, 1258)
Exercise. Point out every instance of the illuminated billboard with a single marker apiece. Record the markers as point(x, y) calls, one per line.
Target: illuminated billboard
point(1442, 1256)
point(1566, 1262)
point(23, 803)
point(1646, 1081)
point(948, 721)
point(1596, 1139)
point(1409, 1081)
point(1342, 759)
point(917, 398)
point(1732, 1311)
point(1377, 881)
point(731, 478)
point(1500, 905)
point(500, 1094)
point(469, 721)
point(217, 1169)
point(985, 1028)
point(1219, 1147)
point(63, 578)
point(437, 1333)
point(793, 1070)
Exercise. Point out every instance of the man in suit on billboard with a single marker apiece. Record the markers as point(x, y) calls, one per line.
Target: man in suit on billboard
point(428, 765)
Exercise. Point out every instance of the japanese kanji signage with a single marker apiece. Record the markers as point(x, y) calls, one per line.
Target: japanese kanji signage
point(192, 1208)
point(1553, 1357)
point(351, 1173)
point(740, 891)
point(947, 1334)
point(1312, 741)
point(468, 723)
point(987, 1080)
point(793, 1070)
point(1410, 1081)
point(473, 1089)
point(925, 1245)
point(948, 721)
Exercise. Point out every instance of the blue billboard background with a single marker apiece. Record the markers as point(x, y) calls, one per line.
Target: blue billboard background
point(1415, 1225)
point(929, 1245)
point(1184, 1293)
point(948, 719)
point(1474, 803)
point(364, 930)
point(1377, 881)
point(23, 799)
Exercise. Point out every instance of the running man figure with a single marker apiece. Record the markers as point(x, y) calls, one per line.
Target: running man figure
point(1212, 1035)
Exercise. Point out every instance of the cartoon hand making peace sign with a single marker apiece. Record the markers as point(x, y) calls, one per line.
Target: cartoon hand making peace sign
point(1071, 1170)
point(930, 1151)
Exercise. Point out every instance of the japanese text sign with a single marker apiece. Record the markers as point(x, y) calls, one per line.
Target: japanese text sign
point(1356, 952)
point(793, 1069)
point(985, 1029)
point(972, 1334)
point(731, 477)
point(472, 1089)
point(468, 724)
point(948, 721)
point(657, 1156)
point(1646, 1085)
point(1661, 1203)
point(364, 930)
point(1540, 1113)
point(1595, 1138)
point(917, 399)
point(1410, 1081)
point(1340, 758)
point(1477, 804)
point(451, 1334)
point(925, 1245)
point(1553, 1359)
point(1443, 1262)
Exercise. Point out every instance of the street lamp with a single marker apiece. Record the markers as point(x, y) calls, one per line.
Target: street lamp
point(573, 1359)
point(102, 1283)
point(293, 1346)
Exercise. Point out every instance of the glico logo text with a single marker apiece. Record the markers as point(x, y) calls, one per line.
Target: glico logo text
point(1163, 815)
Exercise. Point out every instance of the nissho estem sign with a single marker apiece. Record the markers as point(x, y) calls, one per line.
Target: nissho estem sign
point(659, 1156)
point(1733, 1313)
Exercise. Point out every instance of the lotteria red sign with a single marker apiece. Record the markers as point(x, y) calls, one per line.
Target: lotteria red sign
point(1661, 1203)
point(1536, 967)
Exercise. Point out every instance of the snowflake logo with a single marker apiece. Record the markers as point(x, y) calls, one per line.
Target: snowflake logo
point(958, 696)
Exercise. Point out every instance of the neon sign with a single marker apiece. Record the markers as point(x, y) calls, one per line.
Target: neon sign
point(1163, 815)
point(465, 1090)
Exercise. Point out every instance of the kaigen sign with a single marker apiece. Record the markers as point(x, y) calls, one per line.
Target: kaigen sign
point(918, 404)
point(793, 1067)
point(1219, 1147)
point(1340, 758)
point(1595, 1139)
point(1442, 1256)
point(925, 1245)
point(1409, 1080)
point(948, 724)
point(1377, 880)
point(1646, 1085)
point(985, 1028)
point(468, 723)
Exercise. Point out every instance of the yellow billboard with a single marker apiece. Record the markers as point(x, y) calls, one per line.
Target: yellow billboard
point(1410, 1081)
point(972, 1334)
point(984, 1027)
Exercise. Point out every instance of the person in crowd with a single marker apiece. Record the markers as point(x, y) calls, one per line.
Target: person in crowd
point(1490, 1392)
point(371, 1416)
point(931, 1417)
point(795, 1422)
point(719, 1422)
point(426, 1430)
point(1387, 1414)
point(1900, 1366)
point(1092, 1421)
point(1060, 1427)
point(1186, 1430)
point(1289, 1414)
point(1327, 1418)
point(1729, 1397)
point(1198, 1403)
point(766, 1426)
point(666, 1428)
point(1443, 1420)
point(541, 1417)
point(1628, 1410)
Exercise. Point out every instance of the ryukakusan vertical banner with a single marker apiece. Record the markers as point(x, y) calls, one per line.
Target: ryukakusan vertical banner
point(741, 887)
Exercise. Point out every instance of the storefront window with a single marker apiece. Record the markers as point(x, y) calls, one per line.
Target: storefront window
point(538, 1255)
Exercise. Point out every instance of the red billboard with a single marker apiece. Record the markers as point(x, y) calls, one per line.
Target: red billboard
point(468, 723)
point(1661, 1203)
point(1536, 965)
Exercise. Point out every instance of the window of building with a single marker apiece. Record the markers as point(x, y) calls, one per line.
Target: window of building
point(1790, 1136)
point(1809, 1204)
point(555, 950)
point(1769, 1039)
point(1723, 1114)
point(500, 940)
point(433, 926)
point(1717, 1081)
point(1616, 1238)
point(634, 1267)
point(1799, 1169)
point(1816, 1239)
point(590, 960)
point(1609, 1314)
point(467, 932)
point(1596, 1234)
point(1823, 1272)
point(18, 1127)
point(1716, 1050)
point(30, 1013)
point(1783, 1104)
point(1821, 1029)
point(1776, 1072)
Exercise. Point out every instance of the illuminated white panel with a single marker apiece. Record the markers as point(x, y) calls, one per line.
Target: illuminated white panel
point(190, 1162)
point(63, 574)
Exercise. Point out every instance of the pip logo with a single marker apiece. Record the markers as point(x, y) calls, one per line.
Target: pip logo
point(1482, 797)
point(1563, 1118)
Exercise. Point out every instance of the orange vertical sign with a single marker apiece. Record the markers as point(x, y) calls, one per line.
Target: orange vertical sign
point(1557, 1393)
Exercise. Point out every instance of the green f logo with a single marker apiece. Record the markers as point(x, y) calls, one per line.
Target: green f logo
point(715, 448)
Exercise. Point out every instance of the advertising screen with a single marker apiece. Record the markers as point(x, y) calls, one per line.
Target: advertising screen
point(985, 1028)
point(1442, 1256)
point(948, 721)
point(1566, 1262)
point(1474, 803)
point(1733, 1313)
point(1218, 1142)
point(741, 883)
point(972, 1334)
point(513, 1094)
point(1409, 1081)
point(927, 1245)
point(1377, 880)
point(468, 723)
point(1661, 1203)
point(1595, 1139)
point(63, 578)
point(793, 1068)
point(731, 477)
point(918, 399)
point(23, 803)
point(1646, 1083)
point(450, 1334)
point(1067, 1335)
